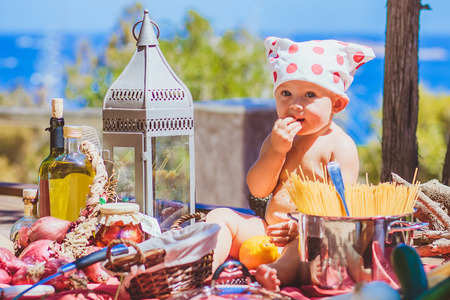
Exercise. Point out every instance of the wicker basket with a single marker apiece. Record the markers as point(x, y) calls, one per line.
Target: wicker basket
point(164, 282)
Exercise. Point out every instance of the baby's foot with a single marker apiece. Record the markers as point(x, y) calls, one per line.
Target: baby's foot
point(267, 277)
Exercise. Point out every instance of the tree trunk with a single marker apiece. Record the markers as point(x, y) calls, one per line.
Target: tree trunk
point(401, 93)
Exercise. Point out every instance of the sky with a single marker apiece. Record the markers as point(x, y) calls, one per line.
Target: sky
point(261, 17)
point(281, 18)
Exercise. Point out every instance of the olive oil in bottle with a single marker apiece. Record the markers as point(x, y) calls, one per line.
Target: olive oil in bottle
point(70, 176)
point(56, 149)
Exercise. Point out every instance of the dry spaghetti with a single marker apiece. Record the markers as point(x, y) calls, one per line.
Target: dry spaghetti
point(317, 198)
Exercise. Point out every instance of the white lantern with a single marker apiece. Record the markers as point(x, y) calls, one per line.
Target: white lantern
point(148, 132)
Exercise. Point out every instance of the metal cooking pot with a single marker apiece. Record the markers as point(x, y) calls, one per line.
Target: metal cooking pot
point(342, 251)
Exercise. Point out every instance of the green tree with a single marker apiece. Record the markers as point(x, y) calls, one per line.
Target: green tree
point(17, 97)
point(212, 67)
point(433, 131)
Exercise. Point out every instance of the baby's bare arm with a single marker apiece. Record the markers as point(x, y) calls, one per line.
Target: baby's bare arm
point(279, 204)
point(263, 176)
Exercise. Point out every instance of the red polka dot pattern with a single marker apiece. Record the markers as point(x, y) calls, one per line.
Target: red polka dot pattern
point(336, 77)
point(357, 67)
point(273, 58)
point(328, 63)
point(318, 50)
point(291, 68)
point(317, 69)
point(293, 48)
point(358, 56)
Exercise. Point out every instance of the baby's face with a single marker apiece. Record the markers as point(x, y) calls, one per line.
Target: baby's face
point(308, 103)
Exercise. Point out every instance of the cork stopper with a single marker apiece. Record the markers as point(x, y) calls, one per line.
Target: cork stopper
point(72, 131)
point(57, 108)
point(29, 193)
point(119, 208)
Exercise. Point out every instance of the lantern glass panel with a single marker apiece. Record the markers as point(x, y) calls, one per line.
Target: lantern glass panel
point(124, 160)
point(171, 171)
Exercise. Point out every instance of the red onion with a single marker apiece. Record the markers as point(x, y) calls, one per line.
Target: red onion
point(95, 272)
point(75, 280)
point(38, 251)
point(22, 242)
point(28, 275)
point(5, 277)
point(9, 262)
point(48, 228)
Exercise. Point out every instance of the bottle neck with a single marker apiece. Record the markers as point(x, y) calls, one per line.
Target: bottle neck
point(56, 151)
point(71, 145)
point(30, 210)
point(56, 135)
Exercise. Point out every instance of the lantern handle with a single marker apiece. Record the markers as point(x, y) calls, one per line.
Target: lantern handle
point(134, 27)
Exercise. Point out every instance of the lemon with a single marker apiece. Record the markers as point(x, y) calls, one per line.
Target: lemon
point(257, 250)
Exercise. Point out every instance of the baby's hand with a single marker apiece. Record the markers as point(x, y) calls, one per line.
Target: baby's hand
point(283, 134)
point(284, 232)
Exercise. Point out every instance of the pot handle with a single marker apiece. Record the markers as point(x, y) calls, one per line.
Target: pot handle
point(231, 266)
point(405, 226)
point(400, 226)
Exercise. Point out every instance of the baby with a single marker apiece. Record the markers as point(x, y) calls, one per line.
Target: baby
point(310, 80)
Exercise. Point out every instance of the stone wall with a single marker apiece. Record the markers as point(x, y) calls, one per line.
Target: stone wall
point(228, 138)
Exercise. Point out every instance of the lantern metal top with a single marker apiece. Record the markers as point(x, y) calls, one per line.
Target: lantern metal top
point(146, 35)
point(148, 91)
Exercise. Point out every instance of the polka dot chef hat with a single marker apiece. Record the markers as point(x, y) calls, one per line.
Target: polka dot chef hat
point(329, 63)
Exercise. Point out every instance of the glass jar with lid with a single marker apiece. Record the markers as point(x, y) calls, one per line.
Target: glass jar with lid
point(119, 220)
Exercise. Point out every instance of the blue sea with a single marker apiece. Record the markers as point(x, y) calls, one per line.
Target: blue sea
point(32, 61)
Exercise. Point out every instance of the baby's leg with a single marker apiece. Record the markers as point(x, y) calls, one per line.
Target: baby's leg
point(267, 277)
point(235, 229)
point(289, 270)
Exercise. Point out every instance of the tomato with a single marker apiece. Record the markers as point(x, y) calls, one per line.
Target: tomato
point(107, 234)
point(133, 233)
point(100, 244)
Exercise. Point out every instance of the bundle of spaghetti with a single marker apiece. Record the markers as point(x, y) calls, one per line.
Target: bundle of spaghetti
point(317, 198)
point(384, 199)
point(314, 197)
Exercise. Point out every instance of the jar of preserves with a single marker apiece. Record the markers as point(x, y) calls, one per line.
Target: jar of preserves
point(119, 220)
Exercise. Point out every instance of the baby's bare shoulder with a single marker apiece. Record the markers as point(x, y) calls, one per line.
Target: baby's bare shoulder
point(339, 136)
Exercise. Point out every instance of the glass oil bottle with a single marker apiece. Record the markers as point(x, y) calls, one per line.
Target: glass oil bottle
point(29, 214)
point(56, 149)
point(70, 176)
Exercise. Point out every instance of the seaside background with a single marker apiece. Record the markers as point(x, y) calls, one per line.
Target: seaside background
point(38, 38)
